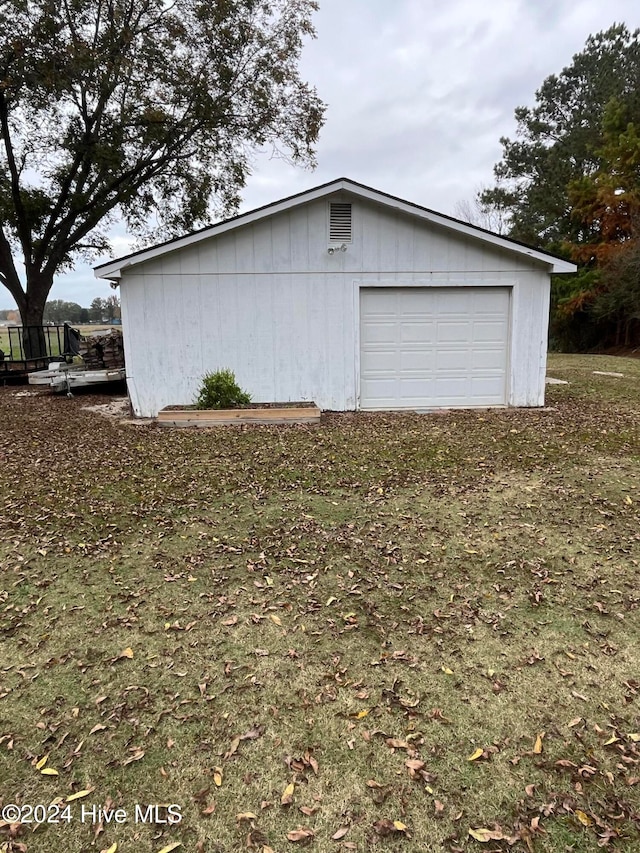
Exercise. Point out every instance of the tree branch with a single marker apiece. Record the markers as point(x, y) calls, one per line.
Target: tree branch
point(22, 223)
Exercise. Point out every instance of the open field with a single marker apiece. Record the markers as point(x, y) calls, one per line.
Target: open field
point(401, 632)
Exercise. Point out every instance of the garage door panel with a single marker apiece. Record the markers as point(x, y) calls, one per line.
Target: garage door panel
point(456, 386)
point(415, 331)
point(424, 347)
point(452, 331)
point(488, 359)
point(420, 360)
point(486, 299)
point(489, 330)
point(380, 389)
point(487, 386)
point(449, 359)
point(379, 332)
point(417, 386)
point(411, 301)
point(380, 361)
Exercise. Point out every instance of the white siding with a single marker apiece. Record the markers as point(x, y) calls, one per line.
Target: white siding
point(269, 302)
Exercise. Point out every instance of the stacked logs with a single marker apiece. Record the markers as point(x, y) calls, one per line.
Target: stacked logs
point(102, 349)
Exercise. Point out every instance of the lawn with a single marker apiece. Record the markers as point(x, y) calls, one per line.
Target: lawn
point(390, 632)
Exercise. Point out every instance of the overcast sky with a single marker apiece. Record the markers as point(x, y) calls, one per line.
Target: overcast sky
point(419, 94)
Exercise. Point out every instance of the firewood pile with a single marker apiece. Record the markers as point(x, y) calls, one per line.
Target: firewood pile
point(102, 349)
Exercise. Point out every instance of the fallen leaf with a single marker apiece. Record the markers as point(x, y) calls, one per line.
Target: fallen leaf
point(384, 827)
point(300, 834)
point(483, 835)
point(217, 776)
point(111, 849)
point(287, 795)
point(80, 795)
point(42, 762)
point(49, 771)
point(233, 748)
point(252, 734)
point(583, 817)
point(537, 748)
point(395, 743)
point(128, 653)
point(340, 833)
point(137, 754)
point(564, 762)
point(476, 754)
point(246, 816)
point(275, 619)
point(99, 727)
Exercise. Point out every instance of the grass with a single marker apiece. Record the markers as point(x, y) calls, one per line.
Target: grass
point(203, 618)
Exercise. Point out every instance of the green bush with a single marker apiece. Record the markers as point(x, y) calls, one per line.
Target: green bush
point(220, 390)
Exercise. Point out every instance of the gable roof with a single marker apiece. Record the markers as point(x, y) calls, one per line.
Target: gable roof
point(113, 269)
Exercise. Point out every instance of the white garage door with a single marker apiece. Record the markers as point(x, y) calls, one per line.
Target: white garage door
point(428, 347)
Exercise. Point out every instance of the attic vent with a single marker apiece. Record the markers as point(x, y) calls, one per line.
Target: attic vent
point(339, 222)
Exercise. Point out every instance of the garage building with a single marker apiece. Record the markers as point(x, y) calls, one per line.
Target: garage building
point(342, 295)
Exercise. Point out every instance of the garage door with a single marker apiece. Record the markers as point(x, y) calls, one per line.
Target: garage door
point(429, 347)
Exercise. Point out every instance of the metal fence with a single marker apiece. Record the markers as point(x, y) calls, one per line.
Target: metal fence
point(24, 343)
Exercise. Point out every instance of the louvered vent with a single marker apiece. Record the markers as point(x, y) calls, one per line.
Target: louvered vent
point(340, 222)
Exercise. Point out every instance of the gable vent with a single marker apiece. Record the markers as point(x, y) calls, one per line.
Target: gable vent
point(340, 222)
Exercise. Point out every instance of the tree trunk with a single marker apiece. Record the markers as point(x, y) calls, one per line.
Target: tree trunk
point(31, 314)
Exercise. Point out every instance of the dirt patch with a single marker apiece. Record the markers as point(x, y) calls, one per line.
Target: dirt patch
point(115, 408)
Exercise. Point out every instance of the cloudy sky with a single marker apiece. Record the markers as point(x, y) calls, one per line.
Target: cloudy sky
point(419, 93)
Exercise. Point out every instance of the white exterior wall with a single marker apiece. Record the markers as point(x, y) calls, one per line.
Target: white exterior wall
point(269, 302)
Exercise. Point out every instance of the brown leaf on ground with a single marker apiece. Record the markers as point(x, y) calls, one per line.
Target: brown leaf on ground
point(136, 754)
point(386, 827)
point(483, 835)
point(301, 834)
point(396, 743)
